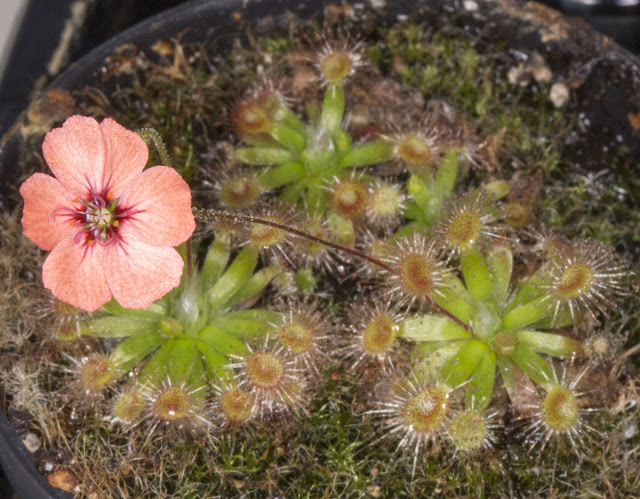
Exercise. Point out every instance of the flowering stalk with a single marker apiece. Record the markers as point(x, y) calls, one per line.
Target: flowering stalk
point(248, 219)
point(150, 134)
point(443, 304)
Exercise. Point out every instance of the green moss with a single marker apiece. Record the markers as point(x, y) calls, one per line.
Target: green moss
point(607, 202)
point(276, 45)
point(340, 461)
point(447, 65)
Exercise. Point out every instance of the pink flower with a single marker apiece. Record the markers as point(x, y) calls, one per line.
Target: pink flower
point(110, 226)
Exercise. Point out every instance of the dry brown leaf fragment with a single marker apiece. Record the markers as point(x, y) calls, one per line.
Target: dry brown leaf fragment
point(53, 107)
point(63, 479)
point(634, 120)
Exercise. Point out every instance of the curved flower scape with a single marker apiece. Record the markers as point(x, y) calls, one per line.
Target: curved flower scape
point(110, 227)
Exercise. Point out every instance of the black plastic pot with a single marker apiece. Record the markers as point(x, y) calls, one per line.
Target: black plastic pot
point(17, 464)
point(202, 18)
point(574, 50)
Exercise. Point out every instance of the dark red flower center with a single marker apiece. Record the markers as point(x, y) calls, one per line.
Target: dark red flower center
point(99, 218)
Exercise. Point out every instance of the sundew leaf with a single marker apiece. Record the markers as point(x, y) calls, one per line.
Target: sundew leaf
point(242, 328)
point(425, 348)
point(254, 285)
point(479, 390)
point(156, 309)
point(561, 318)
point(500, 263)
point(550, 344)
point(476, 274)
point(214, 361)
point(456, 370)
point(264, 155)
point(432, 328)
point(222, 341)
point(292, 192)
point(215, 261)
point(280, 175)
point(156, 368)
point(421, 195)
point(184, 362)
point(456, 304)
point(529, 313)
point(342, 142)
point(284, 115)
point(446, 175)
point(532, 289)
point(332, 109)
point(371, 153)
point(288, 137)
point(511, 374)
point(315, 199)
point(135, 348)
point(535, 366)
point(257, 314)
point(429, 369)
point(119, 327)
point(234, 277)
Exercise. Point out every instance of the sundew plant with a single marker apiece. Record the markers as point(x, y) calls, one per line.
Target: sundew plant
point(339, 288)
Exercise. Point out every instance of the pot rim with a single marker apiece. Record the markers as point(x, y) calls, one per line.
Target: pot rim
point(17, 462)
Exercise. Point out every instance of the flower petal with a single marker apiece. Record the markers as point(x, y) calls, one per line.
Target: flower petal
point(42, 195)
point(160, 202)
point(74, 273)
point(75, 153)
point(126, 155)
point(138, 274)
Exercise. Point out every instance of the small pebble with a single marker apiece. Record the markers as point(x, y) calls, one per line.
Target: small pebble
point(559, 94)
point(378, 4)
point(470, 5)
point(31, 442)
point(630, 431)
point(374, 490)
point(539, 69)
point(518, 75)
